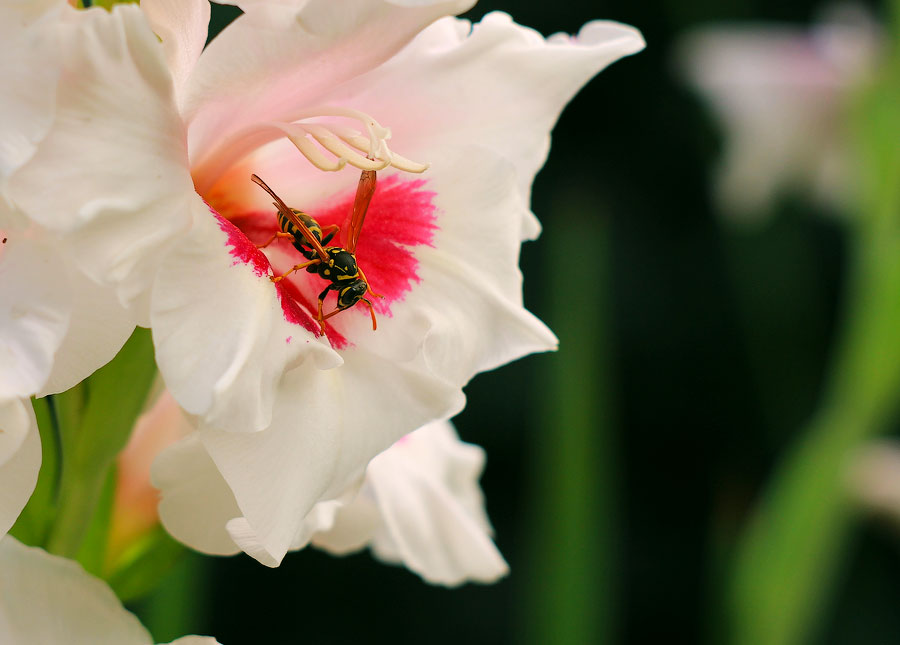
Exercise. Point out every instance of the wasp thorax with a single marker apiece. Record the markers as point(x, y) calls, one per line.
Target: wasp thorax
point(341, 262)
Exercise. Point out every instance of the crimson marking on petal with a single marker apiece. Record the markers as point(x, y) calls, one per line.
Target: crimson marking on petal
point(242, 249)
point(293, 312)
point(401, 216)
point(245, 252)
point(293, 295)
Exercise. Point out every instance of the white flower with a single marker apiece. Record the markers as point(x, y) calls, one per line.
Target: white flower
point(288, 416)
point(873, 478)
point(48, 600)
point(781, 94)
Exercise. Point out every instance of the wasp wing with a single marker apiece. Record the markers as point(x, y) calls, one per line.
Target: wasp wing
point(313, 242)
point(364, 191)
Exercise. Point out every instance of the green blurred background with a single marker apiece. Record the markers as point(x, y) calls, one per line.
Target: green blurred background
point(622, 469)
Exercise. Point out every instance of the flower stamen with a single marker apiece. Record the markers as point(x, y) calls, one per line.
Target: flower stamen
point(328, 146)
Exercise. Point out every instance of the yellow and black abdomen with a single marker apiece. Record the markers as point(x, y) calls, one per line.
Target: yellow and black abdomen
point(300, 243)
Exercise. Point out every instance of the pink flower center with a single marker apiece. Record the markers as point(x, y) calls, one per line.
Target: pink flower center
point(400, 217)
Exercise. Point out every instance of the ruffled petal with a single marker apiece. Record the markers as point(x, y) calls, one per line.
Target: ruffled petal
point(182, 26)
point(34, 311)
point(224, 333)
point(281, 56)
point(115, 156)
point(424, 491)
point(502, 86)
point(326, 428)
point(48, 599)
point(31, 63)
point(98, 328)
point(56, 325)
point(465, 315)
point(20, 461)
point(196, 502)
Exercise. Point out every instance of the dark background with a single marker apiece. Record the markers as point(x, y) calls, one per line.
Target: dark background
point(621, 468)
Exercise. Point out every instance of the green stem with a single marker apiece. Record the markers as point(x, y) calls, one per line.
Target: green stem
point(788, 559)
point(572, 563)
point(113, 402)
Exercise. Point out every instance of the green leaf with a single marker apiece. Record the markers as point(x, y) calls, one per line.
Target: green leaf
point(33, 524)
point(108, 4)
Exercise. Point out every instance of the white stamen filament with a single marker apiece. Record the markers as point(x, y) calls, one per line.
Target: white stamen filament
point(367, 151)
point(356, 140)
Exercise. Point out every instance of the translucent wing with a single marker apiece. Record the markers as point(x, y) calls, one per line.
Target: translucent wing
point(364, 191)
point(313, 242)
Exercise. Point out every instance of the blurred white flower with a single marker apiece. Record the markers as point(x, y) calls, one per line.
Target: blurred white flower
point(873, 478)
point(781, 94)
point(48, 600)
point(150, 154)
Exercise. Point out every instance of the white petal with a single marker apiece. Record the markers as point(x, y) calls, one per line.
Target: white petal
point(326, 428)
point(31, 59)
point(503, 87)
point(466, 314)
point(126, 195)
point(182, 27)
point(277, 58)
point(426, 491)
point(34, 311)
point(196, 502)
point(323, 516)
point(48, 599)
point(221, 334)
point(98, 327)
point(20, 460)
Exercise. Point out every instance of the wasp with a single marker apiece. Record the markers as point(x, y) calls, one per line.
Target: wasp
point(335, 264)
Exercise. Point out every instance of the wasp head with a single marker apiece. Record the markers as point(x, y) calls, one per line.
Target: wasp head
point(351, 294)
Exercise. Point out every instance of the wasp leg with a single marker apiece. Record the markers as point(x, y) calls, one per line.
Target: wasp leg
point(319, 315)
point(368, 286)
point(371, 312)
point(277, 235)
point(322, 318)
point(297, 267)
point(334, 229)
